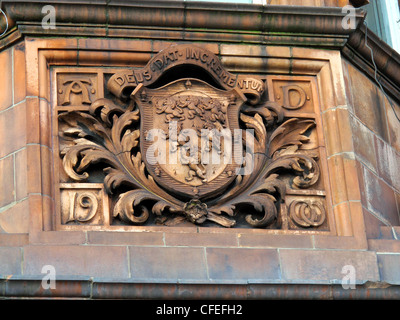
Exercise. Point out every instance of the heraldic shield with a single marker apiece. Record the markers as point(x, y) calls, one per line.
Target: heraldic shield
point(185, 138)
point(188, 128)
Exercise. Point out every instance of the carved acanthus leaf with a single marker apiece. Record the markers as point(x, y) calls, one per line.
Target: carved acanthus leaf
point(128, 201)
point(260, 197)
point(256, 123)
point(106, 109)
point(288, 134)
point(271, 111)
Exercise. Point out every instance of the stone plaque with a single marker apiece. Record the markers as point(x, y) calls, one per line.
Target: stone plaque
point(183, 139)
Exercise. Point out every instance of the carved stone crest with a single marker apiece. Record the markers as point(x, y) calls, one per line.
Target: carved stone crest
point(186, 138)
point(193, 122)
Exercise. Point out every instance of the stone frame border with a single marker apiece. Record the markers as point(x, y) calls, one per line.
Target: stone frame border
point(325, 66)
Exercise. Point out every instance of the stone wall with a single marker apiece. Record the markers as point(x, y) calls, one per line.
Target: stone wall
point(360, 149)
point(14, 214)
point(375, 131)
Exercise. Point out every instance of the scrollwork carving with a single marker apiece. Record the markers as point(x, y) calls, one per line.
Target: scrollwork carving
point(261, 146)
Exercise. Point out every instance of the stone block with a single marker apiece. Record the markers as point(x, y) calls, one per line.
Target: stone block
point(92, 261)
point(126, 238)
point(380, 199)
point(15, 219)
point(384, 245)
point(58, 237)
point(326, 265)
point(242, 264)
point(21, 190)
point(389, 268)
point(393, 124)
point(372, 225)
point(7, 194)
point(167, 263)
point(6, 98)
point(201, 239)
point(368, 105)
point(13, 240)
point(364, 144)
point(388, 162)
point(275, 240)
point(10, 261)
point(12, 129)
point(19, 72)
